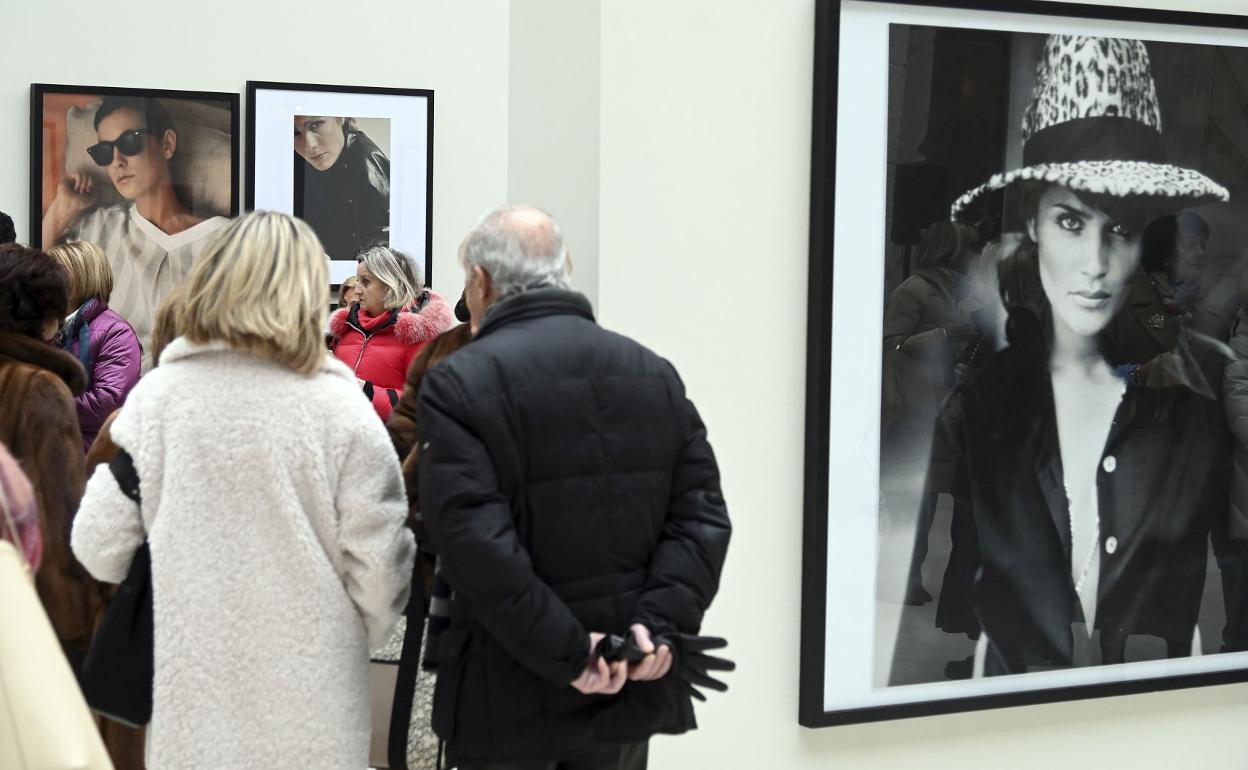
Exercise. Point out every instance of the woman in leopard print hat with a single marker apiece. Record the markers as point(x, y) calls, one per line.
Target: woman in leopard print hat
point(1087, 491)
point(1093, 126)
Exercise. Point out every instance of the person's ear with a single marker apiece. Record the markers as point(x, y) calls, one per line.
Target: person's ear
point(483, 280)
point(168, 144)
point(1031, 229)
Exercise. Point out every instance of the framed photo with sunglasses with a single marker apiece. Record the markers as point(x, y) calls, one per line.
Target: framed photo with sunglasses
point(146, 175)
point(1026, 467)
point(355, 162)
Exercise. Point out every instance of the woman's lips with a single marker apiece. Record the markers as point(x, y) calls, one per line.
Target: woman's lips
point(1092, 300)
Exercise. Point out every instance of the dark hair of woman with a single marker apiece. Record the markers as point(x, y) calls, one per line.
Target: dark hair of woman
point(1029, 332)
point(154, 113)
point(945, 244)
point(34, 288)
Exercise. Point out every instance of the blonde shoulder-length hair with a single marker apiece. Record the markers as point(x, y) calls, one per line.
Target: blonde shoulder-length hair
point(261, 286)
point(397, 271)
point(90, 275)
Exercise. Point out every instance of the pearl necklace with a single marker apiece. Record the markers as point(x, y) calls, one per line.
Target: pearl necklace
point(1087, 563)
point(1096, 538)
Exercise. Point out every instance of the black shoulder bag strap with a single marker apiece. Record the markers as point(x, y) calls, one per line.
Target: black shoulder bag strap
point(405, 679)
point(122, 467)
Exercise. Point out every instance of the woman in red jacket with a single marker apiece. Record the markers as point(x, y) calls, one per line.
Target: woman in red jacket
point(379, 335)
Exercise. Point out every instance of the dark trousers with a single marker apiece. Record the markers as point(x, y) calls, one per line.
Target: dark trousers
point(628, 756)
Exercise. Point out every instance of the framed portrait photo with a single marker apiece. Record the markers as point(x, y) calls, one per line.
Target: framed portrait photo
point(146, 175)
point(1026, 470)
point(356, 163)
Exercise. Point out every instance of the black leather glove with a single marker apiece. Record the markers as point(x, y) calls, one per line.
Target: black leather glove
point(614, 647)
point(691, 665)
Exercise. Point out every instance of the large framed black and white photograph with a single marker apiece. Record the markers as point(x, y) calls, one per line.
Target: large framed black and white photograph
point(355, 162)
point(1027, 400)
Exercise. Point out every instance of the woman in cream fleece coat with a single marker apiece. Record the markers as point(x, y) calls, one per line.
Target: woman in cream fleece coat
point(274, 509)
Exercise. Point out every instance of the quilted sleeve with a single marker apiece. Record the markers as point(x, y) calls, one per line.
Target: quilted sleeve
point(469, 523)
point(685, 566)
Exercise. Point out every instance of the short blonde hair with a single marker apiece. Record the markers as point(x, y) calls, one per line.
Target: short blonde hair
point(90, 275)
point(260, 286)
point(397, 271)
point(165, 328)
point(347, 285)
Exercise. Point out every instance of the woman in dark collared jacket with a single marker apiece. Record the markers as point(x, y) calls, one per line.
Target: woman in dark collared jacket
point(342, 185)
point(1088, 488)
point(1140, 568)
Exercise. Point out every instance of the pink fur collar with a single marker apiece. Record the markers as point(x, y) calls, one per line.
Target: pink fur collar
point(411, 328)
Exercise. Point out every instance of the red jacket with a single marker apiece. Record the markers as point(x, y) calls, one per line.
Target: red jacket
point(379, 349)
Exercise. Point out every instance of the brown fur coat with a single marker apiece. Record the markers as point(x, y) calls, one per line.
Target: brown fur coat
point(402, 425)
point(39, 425)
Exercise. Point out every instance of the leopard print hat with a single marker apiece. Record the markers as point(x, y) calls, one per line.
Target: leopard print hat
point(1093, 125)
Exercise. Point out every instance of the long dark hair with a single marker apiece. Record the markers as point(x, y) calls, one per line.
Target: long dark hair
point(1021, 379)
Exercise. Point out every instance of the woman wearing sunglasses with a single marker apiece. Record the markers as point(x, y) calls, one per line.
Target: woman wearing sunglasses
point(152, 237)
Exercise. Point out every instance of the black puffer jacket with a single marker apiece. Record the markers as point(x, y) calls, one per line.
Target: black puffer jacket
point(568, 486)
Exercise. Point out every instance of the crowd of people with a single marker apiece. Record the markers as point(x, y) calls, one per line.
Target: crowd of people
point(546, 481)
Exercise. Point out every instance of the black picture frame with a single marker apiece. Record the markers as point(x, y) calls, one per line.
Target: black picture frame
point(820, 435)
point(255, 88)
point(39, 93)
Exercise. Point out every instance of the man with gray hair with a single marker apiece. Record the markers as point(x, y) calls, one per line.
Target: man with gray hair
point(568, 487)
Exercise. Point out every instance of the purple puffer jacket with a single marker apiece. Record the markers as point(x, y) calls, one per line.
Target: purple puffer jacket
point(112, 362)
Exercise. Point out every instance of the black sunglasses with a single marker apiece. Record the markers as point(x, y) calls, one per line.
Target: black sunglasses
point(130, 143)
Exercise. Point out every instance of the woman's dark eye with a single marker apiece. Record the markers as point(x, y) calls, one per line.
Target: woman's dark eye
point(1069, 222)
point(315, 125)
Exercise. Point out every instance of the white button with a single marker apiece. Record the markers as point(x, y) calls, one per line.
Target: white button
point(1109, 463)
point(1111, 544)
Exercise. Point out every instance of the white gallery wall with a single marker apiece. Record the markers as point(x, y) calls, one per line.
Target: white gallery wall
point(553, 127)
point(675, 144)
point(706, 110)
point(457, 49)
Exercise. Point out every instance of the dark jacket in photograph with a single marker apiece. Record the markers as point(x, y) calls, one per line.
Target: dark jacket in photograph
point(1235, 397)
point(568, 486)
point(1146, 330)
point(1154, 480)
point(348, 205)
point(925, 333)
